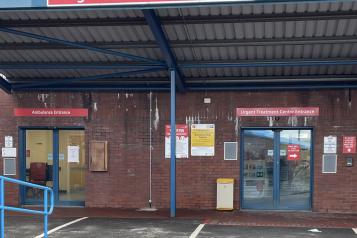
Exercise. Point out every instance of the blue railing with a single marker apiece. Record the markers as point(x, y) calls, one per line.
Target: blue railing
point(45, 211)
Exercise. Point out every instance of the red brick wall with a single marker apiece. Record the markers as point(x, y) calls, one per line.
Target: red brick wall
point(123, 120)
point(8, 127)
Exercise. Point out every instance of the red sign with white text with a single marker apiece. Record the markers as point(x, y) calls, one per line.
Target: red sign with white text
point(181, 141)
point(349, 144)
point(293, 152)
point(181, 130)
point(51, 112)
point(277, 111)
point(76, 3)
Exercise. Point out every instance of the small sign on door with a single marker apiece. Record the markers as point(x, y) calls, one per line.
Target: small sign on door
point(293, 152)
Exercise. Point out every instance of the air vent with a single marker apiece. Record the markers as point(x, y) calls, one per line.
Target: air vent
point(329, 163)
point(9, 166)
point(230, 150)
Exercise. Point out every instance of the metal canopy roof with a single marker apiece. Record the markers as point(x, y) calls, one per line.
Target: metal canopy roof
point(246, 46)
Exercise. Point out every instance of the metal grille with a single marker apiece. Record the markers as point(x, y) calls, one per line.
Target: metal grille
point(9, 166)
point(230, 150)
point(329, 163)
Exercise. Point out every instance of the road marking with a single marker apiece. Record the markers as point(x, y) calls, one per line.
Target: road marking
point(197, 231)
point(62, 226)
point(354, 230)
point(314, 230)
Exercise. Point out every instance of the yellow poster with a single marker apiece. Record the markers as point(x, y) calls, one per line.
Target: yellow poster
point(202, 139)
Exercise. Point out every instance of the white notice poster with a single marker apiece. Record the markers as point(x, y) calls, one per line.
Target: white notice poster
point(330, 145)
point(8, 141)
point(8, 152)
point(73, 154)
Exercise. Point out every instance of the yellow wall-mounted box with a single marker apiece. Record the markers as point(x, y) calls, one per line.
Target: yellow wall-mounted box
point(225, 191)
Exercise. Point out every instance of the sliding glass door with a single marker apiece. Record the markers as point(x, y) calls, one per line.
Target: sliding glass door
point(53, 158)
point(276, 172)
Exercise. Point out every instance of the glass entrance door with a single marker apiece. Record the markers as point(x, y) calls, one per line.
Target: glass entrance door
point(276, 169)
point(38, 163)
point(258, 171)
point(54, 158)
point(294, 163)
point(71, 165)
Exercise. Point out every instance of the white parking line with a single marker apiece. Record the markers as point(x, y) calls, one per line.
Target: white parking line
point(62, 226)
point(354, 230)
point(197, 231)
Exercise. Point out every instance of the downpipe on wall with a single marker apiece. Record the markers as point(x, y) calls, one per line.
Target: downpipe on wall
point(150, 208)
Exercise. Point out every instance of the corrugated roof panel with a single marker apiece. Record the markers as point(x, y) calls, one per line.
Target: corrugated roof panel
point(85, 34)
point(261, 30)
point(266, 71)
point(73, 55)
point(191, 33)
point(69, 14)
point(243, 9)
point(249, 9)
point(277, 52)
point(97, 33)
point(24, 75)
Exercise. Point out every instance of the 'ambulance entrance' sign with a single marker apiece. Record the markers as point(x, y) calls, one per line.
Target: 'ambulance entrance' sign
point(51, 112)
point(202, 139)
point(349, 144)
point(78, 3)
point(181, 141)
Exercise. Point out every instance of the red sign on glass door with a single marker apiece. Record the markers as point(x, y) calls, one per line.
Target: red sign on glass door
point(293, 152)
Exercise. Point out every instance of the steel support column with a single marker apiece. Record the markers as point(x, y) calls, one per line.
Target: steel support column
point(155, 26)
point(173, 143)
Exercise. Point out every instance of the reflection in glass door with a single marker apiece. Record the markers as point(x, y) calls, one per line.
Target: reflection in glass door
point(258, 169)
point(53, 158)
point(39, 163)
point(276, 169)
point(295, 169)
point(71, 165)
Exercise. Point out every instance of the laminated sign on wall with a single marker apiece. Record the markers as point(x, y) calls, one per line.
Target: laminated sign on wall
point(181, 141)
point(202, 139)
point(349, 145)
point(330, 145)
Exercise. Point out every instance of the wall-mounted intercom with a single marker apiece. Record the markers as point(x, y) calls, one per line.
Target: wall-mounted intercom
point(349, 161)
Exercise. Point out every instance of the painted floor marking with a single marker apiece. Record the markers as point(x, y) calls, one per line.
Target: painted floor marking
point(354, 230)
point(62, 226)
point(197, 231)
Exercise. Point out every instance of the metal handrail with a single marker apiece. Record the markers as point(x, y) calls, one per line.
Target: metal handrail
point(45, 211)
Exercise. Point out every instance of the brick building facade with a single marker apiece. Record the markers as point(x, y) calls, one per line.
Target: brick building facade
point(123, 119)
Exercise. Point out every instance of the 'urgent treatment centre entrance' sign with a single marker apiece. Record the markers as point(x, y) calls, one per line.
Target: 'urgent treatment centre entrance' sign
point(76, 3)
point(277, 111)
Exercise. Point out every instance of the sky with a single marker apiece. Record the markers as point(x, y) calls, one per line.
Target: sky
point(22, 3)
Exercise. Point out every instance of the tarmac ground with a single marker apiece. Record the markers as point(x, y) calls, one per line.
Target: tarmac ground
point(77, 227)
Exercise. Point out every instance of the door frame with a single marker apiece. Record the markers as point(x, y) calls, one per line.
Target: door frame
point(55, 150)
point(276, 141)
